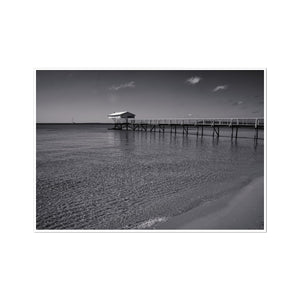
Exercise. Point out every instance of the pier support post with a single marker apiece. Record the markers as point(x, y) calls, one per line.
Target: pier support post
point(185, 129)
point(216, 129)
point(256, 129)
point(161, 128)
point(256, 133)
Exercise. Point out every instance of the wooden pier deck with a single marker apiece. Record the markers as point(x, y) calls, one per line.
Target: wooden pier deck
point(184, 125)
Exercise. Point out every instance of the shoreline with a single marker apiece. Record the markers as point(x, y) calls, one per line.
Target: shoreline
point(242, 210)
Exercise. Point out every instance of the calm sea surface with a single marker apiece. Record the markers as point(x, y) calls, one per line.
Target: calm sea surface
point(89, 177)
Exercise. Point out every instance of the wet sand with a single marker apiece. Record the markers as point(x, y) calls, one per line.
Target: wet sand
point(243, 210)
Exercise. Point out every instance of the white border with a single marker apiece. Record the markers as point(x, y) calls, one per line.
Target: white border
point(151, 230)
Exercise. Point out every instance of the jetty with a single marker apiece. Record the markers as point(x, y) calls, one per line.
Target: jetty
point(197, 125)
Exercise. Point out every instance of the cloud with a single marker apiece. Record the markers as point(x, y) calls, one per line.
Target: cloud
point(220, 88)
point(193, 80)
point(126, 85)
point(238, 103)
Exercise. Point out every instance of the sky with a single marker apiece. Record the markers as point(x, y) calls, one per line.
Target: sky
point(89, 96)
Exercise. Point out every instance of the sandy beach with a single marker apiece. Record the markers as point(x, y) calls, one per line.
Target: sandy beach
point(243, 210)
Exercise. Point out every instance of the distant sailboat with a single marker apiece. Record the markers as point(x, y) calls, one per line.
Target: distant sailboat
point(73, 121)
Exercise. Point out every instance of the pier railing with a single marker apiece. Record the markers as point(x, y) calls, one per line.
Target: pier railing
point(205, 121)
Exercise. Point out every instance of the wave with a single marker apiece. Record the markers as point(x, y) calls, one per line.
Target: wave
point(149, 223)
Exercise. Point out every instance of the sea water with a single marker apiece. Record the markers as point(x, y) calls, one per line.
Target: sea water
point(89, 177)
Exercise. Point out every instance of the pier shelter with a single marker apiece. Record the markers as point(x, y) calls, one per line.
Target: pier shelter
point(121, 116)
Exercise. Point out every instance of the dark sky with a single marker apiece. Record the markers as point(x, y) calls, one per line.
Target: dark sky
point(88, 96)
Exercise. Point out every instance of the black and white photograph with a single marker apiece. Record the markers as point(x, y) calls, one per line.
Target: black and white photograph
point(150, 150)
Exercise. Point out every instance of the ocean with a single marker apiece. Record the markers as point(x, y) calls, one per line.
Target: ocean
point(89, 177)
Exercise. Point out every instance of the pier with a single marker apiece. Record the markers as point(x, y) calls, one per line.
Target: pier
point(183, 126)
